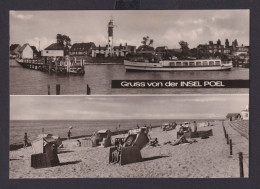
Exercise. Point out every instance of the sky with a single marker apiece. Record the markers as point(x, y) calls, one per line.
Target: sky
point(125, 107)
point(165, 27)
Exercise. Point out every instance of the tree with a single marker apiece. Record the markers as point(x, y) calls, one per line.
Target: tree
point(13, 46)
point(146, 48)
point(184, 45)
point(63, 40)
point(235, 43)
point(147, 41)
point(227, 43)
point(185, 49)
point(218, 42)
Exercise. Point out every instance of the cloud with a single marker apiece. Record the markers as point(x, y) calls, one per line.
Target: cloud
point(21, 16)
point(44, 42)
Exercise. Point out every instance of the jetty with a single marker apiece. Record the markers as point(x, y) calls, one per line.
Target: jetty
point(58, 65)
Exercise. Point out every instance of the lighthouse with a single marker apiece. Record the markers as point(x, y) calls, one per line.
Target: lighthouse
point(110, 37)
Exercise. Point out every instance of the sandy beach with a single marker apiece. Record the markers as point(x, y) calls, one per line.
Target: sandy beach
point(205, 158)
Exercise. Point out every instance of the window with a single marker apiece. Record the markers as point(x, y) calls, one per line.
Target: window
point(172, 63)
point(185, 64)
point(211, 63)
point(192, 63)
point(198, 63)
point(217, 63)
point(178, 63)
point(205, 63)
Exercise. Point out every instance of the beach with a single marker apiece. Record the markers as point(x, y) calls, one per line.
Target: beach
point(203, 158)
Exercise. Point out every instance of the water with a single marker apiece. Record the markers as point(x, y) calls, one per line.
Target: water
point(98, 77)
point(82, 127)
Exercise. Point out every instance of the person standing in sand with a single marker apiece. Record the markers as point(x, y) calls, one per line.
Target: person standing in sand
point(195, 126)
point(69, 134)
point(25, 140)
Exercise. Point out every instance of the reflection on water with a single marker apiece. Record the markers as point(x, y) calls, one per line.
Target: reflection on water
point(98, 77)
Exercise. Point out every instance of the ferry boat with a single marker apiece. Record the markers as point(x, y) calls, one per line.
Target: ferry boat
point(178, 65)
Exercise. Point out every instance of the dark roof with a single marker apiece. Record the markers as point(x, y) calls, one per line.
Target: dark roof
point(176, 50)
point(118, 47)
point(23, 47)
point(82, 46)
point(34, 49)
point(232, 115)
point(55, 46)
point(101, 48)
point(159, 49)
point(145, 48)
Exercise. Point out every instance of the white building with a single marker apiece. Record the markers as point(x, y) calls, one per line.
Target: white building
point(54, 50)
point(245, 113)
point(26, 51)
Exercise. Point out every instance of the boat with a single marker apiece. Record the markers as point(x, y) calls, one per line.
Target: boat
point(178, 65)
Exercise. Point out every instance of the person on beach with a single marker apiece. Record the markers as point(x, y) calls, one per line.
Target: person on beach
point(69, 134)
point(195, 126)
point(154, 142)
point(181, 140)
point(117, 152)
point(25, 140)
point(181, 131)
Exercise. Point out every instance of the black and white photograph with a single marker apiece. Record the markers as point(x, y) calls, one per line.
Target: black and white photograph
point(79, 52)
point(171, 136)
point(129, 94)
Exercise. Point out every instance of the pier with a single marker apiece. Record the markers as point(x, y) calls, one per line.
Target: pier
point(57, 65)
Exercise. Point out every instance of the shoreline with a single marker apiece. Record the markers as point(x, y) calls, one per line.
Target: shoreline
point(17, 146)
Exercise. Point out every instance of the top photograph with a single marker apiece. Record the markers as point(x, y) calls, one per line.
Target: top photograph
point(129, 52)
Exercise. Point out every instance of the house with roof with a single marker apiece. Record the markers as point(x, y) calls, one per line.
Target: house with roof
point(211, 48)
point(122, 51)
point(78, 49)
point(14, 50)
point(145, 50)
point(54, 50)
point(245, 113)
point(26, 51)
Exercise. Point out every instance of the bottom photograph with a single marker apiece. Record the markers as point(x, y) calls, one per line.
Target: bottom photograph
point(177, 136)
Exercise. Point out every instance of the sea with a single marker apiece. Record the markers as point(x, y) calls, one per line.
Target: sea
point(31, 82)
point(79, 127)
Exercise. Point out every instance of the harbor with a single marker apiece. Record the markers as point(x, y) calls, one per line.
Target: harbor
point(98, 77)
point(53, 65)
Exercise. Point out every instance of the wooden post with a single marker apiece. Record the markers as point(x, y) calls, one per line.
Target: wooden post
point(56, 66)
point(57, 89)
point(88, 90)
point(230, 144)
point(83, 67)
point(49, 66)
point(227, 139)
point(241, 164)
point(49, 90)
point(68, 65)
point(75, 61)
